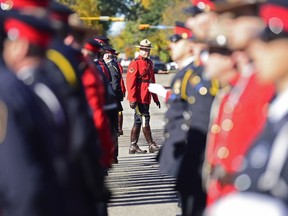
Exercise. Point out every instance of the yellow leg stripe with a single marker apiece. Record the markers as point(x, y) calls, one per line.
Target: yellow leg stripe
point(137, 110)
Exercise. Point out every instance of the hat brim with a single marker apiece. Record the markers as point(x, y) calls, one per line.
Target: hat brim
point(233, 7)
point(268, 35)
point(193, 10)
point(223, 50)
point(144, 47)
point(176, 37)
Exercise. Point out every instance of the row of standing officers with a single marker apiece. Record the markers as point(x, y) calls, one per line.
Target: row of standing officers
point(226, 124)
point(60, 104)
point(61, 112)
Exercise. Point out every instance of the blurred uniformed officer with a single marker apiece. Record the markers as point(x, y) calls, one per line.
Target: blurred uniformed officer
point(139, 74)
point(120, 114)
point(242, 111)
point(94, 50)
point(112, 111)
point(123, 88)
point(187, 122)
point(73, 65)
point(262, 177)
point(117, 82)
point(26, 31)
point(202, 17)
point(103, 41)
point(29, 182)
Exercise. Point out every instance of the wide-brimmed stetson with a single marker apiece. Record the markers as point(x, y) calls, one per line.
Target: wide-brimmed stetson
point(144, 44)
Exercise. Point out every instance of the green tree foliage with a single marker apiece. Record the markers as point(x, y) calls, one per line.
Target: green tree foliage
point(153, 12)
point(96, 8)
point(87, 8)
point(156, 12)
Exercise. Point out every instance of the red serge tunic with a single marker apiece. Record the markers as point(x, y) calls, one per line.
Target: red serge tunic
point(95, 92)
point(240, 119)
point(139, 74)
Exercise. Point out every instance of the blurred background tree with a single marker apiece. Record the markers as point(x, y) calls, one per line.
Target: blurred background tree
point(136, 12)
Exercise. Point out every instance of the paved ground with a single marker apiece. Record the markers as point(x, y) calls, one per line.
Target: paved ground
point(137, 186)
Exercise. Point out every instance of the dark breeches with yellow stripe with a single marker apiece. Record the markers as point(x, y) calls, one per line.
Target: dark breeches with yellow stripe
point(142, 115)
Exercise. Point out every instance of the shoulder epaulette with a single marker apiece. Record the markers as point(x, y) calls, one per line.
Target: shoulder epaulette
point(184, 83)
point(64, 65)
point(214, 87)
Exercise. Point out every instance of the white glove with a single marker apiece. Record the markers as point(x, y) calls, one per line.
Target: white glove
point(157, 89)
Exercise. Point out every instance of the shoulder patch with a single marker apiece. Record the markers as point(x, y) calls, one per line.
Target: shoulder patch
point(131, 70)
point(3, 121)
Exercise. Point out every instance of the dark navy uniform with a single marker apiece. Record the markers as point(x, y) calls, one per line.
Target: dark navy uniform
point(110, 105)
point(66, 69)
point(187, 125)
point(28, 184)
point(116, 82)
point(118, 95)
point(87, 194)
point(265, 167)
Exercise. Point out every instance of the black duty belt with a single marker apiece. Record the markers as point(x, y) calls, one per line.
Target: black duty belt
point(144, 81)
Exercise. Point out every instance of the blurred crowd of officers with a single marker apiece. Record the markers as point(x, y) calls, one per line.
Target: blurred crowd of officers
point(226, 124)
point(61, 89)
point(60, 111)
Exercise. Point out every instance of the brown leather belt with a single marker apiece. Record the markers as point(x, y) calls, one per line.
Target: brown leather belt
point(144, 81)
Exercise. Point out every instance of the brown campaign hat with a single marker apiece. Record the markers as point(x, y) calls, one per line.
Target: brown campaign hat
point(146, 44)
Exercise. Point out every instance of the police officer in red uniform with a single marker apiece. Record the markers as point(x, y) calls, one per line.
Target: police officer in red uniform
point(139, 74)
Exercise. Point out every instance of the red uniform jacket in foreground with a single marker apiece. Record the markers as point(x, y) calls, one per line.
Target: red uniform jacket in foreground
point(241, 117)
point(139, 74)
point(95, 93)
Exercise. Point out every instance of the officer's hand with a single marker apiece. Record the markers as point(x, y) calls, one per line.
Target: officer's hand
point(158, 104)
point(133, 105)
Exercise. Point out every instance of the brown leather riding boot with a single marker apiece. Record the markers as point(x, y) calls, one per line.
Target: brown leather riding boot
point(153, 147)
point(120, 123)
point(134, 148)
